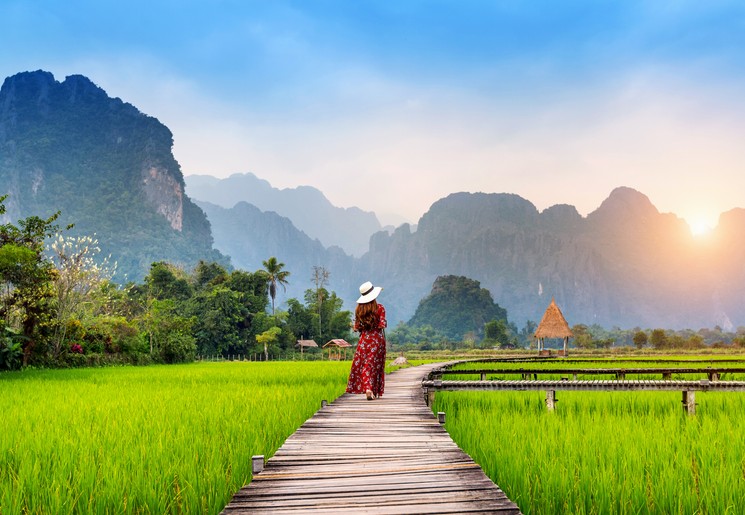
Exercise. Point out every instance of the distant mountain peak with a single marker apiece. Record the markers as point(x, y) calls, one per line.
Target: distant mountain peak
point(307, 207)
point(625, 203)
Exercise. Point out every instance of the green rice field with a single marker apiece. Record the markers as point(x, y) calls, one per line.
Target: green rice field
point(179, 439)
point(159, 439)
point(605, 452)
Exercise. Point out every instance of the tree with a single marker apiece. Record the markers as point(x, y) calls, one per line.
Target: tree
point(27, 276)
point(658, 339)
point(640, 339)
point(219, 314)
point(270, 336)
point(78, 275)
point(166, 281)
point(582, 336)
point(276, 276)
point(320, 278)
point(496, 332)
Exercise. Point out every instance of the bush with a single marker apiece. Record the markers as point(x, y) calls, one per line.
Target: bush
point(178, 348)
point(11, 352)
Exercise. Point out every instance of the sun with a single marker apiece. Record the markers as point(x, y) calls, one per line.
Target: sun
point(699, 228)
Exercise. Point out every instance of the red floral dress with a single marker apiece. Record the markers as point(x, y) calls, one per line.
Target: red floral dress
point(368, 366)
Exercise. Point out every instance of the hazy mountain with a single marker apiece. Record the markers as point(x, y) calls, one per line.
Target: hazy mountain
point(109, 168)
point(309, 210)
point(623, 265)
point(251, 236)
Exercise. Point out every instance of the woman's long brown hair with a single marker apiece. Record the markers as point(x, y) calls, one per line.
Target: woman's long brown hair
point(366, 316)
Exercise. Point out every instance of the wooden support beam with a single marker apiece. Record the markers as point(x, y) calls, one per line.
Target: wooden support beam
point(429, 396)
point(689, 401)
point(713, 376)
point(441, 417)
point(483, 376)
point(551, 400)
point(324, 403)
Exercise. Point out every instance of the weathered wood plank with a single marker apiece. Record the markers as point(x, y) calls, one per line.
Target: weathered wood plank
point(386, 456)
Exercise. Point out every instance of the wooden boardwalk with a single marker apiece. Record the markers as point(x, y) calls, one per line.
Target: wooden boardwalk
point(384, 456)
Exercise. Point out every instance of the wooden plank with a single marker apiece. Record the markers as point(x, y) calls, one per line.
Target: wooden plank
point(385, 456)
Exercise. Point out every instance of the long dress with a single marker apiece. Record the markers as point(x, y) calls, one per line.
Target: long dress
point(368, 365)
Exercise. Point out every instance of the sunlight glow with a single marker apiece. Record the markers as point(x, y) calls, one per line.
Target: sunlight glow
point(699, 228)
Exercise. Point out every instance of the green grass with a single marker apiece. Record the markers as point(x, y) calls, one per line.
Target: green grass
point(162, 439)
point(606, 452)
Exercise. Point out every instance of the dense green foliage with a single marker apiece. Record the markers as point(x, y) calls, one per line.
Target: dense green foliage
point(64, 311)
point(176, 439)
point(457, 306)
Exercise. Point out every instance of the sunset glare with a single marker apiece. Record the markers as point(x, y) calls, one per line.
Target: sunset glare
point(700, 228)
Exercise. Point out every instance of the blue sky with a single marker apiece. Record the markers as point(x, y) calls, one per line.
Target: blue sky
point(391, 105)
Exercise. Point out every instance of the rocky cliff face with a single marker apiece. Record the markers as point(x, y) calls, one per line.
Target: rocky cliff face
point(109, 168)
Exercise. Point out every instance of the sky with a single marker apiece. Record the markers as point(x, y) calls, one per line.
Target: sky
point(392, 105)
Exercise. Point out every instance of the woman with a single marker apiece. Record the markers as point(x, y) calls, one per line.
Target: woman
point(368, 366)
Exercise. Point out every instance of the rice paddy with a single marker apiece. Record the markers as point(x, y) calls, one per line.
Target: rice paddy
point(605, 452)
point(179, 439)
point(161, 439)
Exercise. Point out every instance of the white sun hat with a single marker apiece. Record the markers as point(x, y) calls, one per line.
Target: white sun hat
point(368, 292)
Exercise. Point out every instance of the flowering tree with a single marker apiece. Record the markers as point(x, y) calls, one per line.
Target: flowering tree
point(79, 273)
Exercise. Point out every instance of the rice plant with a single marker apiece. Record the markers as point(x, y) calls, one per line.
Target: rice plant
point(162, 439)
point(605, 452)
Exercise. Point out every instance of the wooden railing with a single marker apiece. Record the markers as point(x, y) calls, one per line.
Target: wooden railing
point(434, 382)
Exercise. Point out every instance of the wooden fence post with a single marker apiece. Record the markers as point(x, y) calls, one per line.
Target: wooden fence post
point(441, 417)
point(551, 400)
point(689, 401)
point(257, 463)
point(429, 396)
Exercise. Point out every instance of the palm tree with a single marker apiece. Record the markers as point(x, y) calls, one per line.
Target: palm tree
point(276, 275)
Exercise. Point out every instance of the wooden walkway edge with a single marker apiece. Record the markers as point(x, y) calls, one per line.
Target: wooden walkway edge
point(384, 456)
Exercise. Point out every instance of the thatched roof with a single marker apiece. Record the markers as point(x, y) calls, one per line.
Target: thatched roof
point(553, 324)
point(337, 342)
point(306, 343)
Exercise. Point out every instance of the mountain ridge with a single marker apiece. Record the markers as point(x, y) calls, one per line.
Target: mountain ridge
point(111, 171)
point(308, 208)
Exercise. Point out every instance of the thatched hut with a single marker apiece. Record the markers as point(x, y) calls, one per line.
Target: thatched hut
point(553, 325)
point(335, 347)
point(305, 343)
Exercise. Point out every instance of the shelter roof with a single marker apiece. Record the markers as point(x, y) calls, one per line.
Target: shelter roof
point(306, 343)
point(337, 342)
point(553, 324)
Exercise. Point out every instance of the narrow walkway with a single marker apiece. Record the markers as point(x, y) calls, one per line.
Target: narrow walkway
point(389, 455)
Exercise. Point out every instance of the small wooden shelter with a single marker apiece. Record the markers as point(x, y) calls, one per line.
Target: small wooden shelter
point(335, 348)
point(305, 343)
point(553, 325)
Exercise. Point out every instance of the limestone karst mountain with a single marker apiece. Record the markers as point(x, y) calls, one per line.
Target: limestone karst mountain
point(108, 167)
